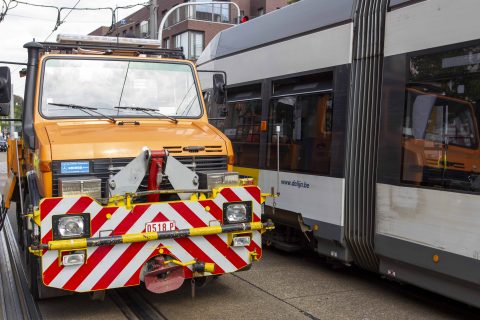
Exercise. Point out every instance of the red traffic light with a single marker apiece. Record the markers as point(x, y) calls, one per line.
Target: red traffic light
point(244, 19)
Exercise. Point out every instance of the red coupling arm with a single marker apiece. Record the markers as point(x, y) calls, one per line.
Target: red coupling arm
point(157, 162)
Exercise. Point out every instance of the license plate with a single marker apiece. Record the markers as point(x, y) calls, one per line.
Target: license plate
point(160, 226)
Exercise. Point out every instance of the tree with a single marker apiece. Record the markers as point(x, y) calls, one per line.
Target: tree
point(17, 110)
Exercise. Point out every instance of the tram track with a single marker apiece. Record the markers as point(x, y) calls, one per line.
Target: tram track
point(16, 300)
point(134, 305)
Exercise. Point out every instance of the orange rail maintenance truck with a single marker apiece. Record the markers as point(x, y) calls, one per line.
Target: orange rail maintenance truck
point(118, 177)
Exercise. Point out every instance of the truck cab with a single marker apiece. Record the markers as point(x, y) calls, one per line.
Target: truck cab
point(92, 111)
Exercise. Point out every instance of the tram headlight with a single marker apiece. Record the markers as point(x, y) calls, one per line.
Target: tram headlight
point(237, 212)
point(70, 226)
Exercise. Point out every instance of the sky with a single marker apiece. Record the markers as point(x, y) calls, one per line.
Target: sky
point(24, 23)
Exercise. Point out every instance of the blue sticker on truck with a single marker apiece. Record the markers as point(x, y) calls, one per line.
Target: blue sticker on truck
point(75, 167)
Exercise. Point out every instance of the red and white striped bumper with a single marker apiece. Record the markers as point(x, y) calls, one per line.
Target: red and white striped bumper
point(119, 265)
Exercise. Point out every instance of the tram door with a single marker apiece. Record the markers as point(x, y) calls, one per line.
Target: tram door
point(302, 107)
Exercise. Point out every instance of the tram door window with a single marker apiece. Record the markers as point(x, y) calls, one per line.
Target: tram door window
point(302, 107)
point(441, 127)
point(241, 123)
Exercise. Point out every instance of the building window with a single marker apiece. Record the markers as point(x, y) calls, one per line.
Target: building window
point(441, 125)
point(181, 41)
point(175, 17)
point(137, 30)
point(260, 11)
point(196, 44)
point(209, 12)
point(166, 43)
point(144, 29)
point(221, 13)
point(192, 43)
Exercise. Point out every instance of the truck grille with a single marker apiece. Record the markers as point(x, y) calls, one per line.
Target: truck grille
point(99, 169)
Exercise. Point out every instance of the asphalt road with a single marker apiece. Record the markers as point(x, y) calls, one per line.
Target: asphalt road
point(280, 286)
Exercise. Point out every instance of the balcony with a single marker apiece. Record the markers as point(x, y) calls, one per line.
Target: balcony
point(218, 13)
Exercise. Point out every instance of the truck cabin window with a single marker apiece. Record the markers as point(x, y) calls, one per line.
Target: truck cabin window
point(118, 88)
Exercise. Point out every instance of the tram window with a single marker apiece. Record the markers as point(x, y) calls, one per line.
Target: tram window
point(240, 121)
point(305, 133)
point(442, 115)
point(242, 126)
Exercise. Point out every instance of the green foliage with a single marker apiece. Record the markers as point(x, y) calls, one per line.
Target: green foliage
point(17, 110)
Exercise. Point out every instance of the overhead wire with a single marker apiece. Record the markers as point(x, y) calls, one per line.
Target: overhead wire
point(57, 24)
point(59, 21)
point(30, 17)
point(7, 6)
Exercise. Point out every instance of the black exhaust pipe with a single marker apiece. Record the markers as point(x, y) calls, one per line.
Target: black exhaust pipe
point(29, 96)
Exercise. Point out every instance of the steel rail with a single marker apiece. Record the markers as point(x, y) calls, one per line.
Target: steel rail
point(134, 305)
point(17, 302)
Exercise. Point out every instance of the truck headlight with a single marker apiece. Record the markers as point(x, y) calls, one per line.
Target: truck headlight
point(212, 179)
point(70, 226)
point(236, 212)
point(73, 186)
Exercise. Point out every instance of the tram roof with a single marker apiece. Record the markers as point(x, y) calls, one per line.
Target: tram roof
point(301, 17)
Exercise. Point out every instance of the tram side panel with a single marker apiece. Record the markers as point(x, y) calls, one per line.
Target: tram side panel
point(307, 98)
point(428, 189)
point(311, 179)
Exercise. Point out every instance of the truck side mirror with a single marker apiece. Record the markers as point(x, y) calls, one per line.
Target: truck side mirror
point(5, 91)
point(219, 88)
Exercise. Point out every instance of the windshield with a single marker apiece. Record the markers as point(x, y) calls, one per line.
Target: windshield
point(168, 88)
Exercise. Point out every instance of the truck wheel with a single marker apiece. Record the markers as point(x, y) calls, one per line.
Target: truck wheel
point(24, 235)
point(38, 290)
point(32, 266)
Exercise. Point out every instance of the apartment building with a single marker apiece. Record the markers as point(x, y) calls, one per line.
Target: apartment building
point(133, 26)
point(189, 27)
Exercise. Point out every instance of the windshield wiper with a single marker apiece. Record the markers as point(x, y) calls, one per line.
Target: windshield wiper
point(147, 111)
point(84, 109)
